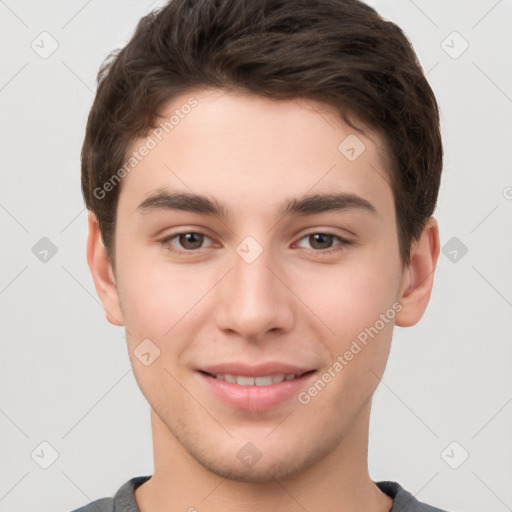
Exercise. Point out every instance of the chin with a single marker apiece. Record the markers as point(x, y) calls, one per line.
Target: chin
point(274, 462)
point(263, 472)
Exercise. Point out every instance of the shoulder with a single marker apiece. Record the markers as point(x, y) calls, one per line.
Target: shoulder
point(123, 501)
point(101, 505)
point(404, 501)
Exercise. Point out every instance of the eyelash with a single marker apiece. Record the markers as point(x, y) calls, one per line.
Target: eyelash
point(190, 252)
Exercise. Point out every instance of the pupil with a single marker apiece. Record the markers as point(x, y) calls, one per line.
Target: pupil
point(191, 238)
point(322, 238)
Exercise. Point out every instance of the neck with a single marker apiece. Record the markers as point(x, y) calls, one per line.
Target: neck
point(339, 482)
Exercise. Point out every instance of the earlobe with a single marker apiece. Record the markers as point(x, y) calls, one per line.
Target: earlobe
point(102, 273)
point(419, 276)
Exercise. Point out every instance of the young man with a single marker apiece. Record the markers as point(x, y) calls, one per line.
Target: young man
point(260, 178)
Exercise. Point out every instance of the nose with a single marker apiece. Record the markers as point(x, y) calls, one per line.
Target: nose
point(255, 299)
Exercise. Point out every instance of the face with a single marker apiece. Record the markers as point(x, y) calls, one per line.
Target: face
point(226, 294)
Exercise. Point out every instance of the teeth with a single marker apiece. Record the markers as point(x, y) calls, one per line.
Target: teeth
point(245, 381)
point(280, 377)
point(263, 381)
point(266, 380)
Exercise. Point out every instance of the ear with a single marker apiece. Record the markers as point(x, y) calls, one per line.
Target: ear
point(102, 273)
point(418, 277)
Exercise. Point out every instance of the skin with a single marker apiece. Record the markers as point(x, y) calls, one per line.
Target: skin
point(291, 304)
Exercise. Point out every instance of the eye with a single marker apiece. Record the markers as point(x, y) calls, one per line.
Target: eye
point(322, 242)
point(190, 241)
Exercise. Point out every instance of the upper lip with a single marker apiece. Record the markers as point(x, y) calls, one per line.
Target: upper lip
point(259, 370)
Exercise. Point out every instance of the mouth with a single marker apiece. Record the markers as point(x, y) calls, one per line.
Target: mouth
point(264, 380)
point(261, 391)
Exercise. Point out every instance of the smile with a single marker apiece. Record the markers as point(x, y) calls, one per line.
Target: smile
point(266, 380)
point(255, 393)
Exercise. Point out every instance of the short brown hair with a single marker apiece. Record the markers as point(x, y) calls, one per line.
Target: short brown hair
point(341, 52)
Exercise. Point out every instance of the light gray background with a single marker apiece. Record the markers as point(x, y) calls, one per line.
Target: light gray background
point(65, 373)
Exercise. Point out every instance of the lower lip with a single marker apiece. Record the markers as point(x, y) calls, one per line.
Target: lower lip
point(256, 398)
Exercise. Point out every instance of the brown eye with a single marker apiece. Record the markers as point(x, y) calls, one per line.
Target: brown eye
point(321, 241)
point(191, 241)
point(187, 243)
point(322, 244)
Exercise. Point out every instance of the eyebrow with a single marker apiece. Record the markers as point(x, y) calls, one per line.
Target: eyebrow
point(307, 205)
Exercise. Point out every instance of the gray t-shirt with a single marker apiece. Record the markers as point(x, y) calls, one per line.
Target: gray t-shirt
point(124, 500)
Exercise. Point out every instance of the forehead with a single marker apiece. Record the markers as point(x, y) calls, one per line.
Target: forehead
point(250, 150)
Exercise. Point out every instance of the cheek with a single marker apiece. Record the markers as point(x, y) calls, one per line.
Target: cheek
point(150, 298)
point(359, 305)
point(359, 309)
point(158, 298)
point(350, 298)
point(157, 305)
